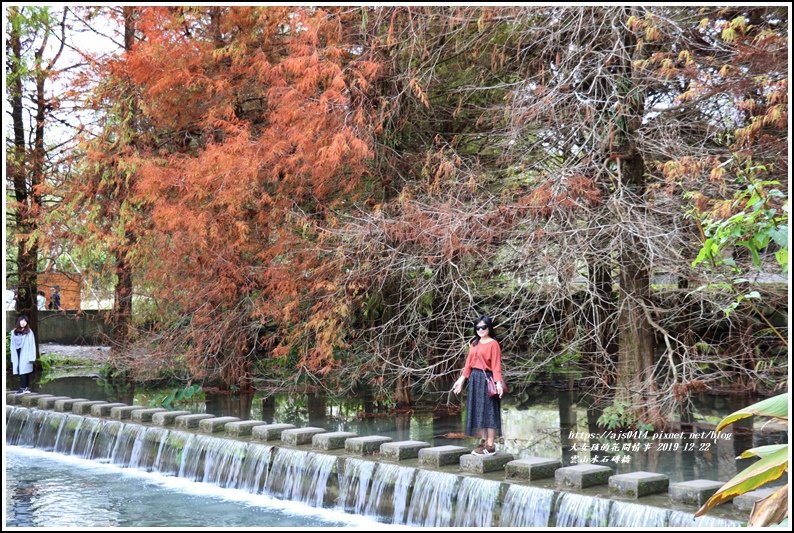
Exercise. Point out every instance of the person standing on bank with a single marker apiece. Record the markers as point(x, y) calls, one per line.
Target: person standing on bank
point(55, 298)
point(483, 412)
point(23, 353)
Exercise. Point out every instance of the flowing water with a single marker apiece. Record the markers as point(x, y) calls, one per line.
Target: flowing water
point(256, 475)
point(526, 507)
point(57, 491)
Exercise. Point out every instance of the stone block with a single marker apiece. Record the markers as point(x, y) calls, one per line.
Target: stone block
point(582, 476)
point(532, 468)
point(332, 440)
point(167, 418)
point(65, 405)
point(145, 415)
point(125, 412)
point(694, 492)
point(299, 436)
point(103, 409)
point(482, 464)
point(48, 402)
point(638, 484)
point(437, 456)
point(84, 408)
point(401, 450)
point(216, 424)
point(270, 432)
point(242, 428)
point(365, 445)
point(32, 399)
point(190, 421)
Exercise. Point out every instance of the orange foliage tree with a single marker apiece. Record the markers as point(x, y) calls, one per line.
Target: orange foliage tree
point(259, 131)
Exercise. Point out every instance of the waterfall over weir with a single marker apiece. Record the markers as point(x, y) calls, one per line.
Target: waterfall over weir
point(526, 506)
point(388, 492)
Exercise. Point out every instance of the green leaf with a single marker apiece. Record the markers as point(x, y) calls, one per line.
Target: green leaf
point(756, 257)
point(767, 469)
point(703, 254)
point(780, 235)
point(762, 451)
point(168, 400)
point(776, 407)
point(782, 258)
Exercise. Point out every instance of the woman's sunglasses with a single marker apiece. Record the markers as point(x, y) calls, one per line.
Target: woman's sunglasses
point(481, 327)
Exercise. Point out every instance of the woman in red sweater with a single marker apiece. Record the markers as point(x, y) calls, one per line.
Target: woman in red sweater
point(483, 413)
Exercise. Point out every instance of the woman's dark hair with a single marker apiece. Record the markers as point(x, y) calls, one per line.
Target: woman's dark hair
point(20, 330)
point(488, 322)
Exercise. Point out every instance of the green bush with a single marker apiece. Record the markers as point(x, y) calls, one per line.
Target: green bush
point(620, 416)
point(181, 394)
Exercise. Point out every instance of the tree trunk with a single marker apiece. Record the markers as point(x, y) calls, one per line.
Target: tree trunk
point(122, 305)
point(600, 349)
point(28, 200)
point(635, 356)
point(402, 392)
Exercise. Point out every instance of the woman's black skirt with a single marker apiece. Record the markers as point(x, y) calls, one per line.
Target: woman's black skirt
point(482, 411)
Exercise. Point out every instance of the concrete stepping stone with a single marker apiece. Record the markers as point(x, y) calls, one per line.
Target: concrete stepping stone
point(65, 405)
point(332, 440)
point(84, 408)
point(32, 399)
point(125, 412)
point(270, 432)
point(403, 449)
point(437, 456)
point(694, 492)
point(300, 436)
point(638, 484)
point(103, 409)
point(243, 428)
point(365, 445)
point(49, 401)
point(191, 421)
point(145, 415)
point(532, 468)
point(167, 418)
point(482, 464)
point(216, 425)
point(582, 476)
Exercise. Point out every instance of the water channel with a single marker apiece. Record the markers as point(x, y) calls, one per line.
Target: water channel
point(42, 485)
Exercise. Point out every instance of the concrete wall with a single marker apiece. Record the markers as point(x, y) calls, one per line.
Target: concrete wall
point(69, 327)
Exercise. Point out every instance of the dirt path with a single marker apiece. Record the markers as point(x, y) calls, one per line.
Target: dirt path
point(97, 354)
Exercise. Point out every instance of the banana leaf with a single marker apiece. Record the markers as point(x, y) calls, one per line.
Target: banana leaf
point(767, 469)
point(775, 407)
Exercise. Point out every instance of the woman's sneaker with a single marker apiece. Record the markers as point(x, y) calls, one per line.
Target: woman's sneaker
point(484, 450)
point(26, 391)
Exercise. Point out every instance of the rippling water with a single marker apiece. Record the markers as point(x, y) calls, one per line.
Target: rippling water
point(49, 490)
